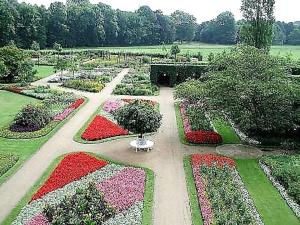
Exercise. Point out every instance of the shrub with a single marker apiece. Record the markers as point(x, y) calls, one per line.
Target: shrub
point(31, 118)
point(84, 85)
point(139, 118)
point(198, 119)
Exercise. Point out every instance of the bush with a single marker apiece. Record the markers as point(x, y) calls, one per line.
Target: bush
point(139, 118)
point(198, 119)
point(84, 85)
point(31, 118)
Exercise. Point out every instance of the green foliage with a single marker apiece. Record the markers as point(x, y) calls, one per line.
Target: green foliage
point(185, 25)
point(294, 37)
point(32, 116)
point(253, 89)
point(178, 72)
point(136, 90)
point(197, 118)
point(175, 50)
point(84, 85)
point(191, 91)
point(15, 65)
point(138, 118)
point(257, 30)
point(286, 170)
point(35, 46)
point(57, 47)
point(7, 161)
point(87, 206)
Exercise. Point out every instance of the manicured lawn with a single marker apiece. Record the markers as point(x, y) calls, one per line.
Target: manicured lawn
point(269, 203)
point(226, 131)
point(11, 103)
point(194, 48)
point(193, 196)
point(43, 71)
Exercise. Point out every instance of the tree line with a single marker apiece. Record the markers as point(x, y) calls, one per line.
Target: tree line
point(80, 23)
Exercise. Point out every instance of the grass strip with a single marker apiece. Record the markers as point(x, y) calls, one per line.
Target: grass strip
point(193, 196)
point(268, 202)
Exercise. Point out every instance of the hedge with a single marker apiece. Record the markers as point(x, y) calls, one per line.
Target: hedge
point(178, 72)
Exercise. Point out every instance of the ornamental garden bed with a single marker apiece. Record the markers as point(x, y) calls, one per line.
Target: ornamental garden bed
point(284, 173)
point(7, 161)
point(195, 127)
point(217, 193)
point(136, 83)
point(57, 105)
point(103, 127)
point(87, 189)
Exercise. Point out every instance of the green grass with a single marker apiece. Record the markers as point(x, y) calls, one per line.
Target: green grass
point(192, 191)
point(194, 48)
point(226, 131)
point(269, 203)
point(11, 103)
point(148, 195)
point(43, 71)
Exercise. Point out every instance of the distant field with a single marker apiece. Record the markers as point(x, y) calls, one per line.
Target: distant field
point(194, 48)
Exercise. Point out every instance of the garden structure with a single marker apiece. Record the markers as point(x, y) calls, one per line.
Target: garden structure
point(172, 74)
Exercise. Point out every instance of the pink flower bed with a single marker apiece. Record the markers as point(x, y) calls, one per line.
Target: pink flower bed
point(125, 189)
point(39, 219)
point(63, 115)
point(112, 105)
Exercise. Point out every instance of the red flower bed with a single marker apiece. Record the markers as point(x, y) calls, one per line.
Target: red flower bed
point(77, 103)
point(101, 128)
point(203, 137)
point(209, 159)
point(71, 168)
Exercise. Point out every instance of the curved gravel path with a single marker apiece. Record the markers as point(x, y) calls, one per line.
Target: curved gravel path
point(171, 204)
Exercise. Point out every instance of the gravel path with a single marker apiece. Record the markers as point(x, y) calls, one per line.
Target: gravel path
point(171, 205)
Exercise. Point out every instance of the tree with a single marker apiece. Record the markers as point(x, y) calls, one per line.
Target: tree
point(15, 65)
point(139, 118)
point(61, 65)
point(294, 37)
point(257, 30)
point(253, 89)
point(185, 25)
point(279, 37)
point(175, 50)
point(35, 46)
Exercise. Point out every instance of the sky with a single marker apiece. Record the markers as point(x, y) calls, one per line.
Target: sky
point(203, 10)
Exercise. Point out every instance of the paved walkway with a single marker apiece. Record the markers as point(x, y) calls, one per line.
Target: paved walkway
point(171, 204)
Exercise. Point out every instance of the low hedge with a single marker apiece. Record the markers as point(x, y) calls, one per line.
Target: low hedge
point(136, 90)
point(84, 85)
point(7, 161)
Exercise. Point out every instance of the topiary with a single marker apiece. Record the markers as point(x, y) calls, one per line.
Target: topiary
point(139, 118)
point(31, 118)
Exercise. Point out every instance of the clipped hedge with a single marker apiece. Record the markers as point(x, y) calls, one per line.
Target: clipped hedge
point(178, 72)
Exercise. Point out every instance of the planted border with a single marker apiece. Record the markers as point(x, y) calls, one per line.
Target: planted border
point(148, 190)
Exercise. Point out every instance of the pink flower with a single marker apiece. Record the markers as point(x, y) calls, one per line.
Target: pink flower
point(39, 219)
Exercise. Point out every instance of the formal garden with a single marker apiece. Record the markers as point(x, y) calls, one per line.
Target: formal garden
point(132, 123)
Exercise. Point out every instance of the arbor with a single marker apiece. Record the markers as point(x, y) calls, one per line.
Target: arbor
point(139, 118)
point(257, 30)
point(15, 65)
point(175, 50)
point(185, 25)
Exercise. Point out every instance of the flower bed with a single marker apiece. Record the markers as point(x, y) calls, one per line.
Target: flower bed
point(284, 173)
point(101, 128)
point(7, 161)
point(113, 194)
point(197, 136)
point(221, 193)
point(64, 114)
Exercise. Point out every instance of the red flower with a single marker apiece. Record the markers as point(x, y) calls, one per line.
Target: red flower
point(15, 89)
point(101, 128)
point(77, 103)
point(203, 137)
point(209, 159)
point(71, 168)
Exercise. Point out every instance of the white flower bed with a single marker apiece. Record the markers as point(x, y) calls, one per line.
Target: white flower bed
point(247, 198)
point(293, 205)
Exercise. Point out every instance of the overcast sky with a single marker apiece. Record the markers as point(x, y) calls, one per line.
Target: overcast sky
point(285, 10)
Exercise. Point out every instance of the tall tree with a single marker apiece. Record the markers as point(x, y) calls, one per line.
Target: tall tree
point(166, 28)
point(57, 30)
point(257, 30)
point(185, 25)
point(294, 37)
point(8, 15)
